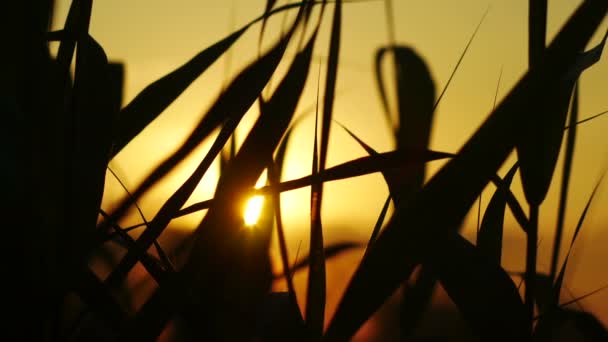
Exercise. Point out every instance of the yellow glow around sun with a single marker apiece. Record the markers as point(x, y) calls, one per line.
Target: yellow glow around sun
point(253, 208)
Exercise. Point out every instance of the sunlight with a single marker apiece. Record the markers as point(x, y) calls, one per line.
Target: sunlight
point(253, 208)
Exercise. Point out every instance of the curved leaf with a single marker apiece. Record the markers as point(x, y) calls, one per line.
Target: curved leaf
point(489, 237)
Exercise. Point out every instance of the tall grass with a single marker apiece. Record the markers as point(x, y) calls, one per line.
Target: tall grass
point(69, 127)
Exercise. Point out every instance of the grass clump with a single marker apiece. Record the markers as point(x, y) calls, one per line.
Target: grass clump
point(71, 125)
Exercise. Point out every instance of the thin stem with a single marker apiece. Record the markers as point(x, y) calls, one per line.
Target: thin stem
point(390, 22)
point(563, 198)
point(531, 252)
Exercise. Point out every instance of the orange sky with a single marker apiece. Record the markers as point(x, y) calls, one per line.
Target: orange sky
point(152, 37)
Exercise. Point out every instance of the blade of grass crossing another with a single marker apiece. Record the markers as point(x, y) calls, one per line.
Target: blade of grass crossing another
point(315, 308)
point(489, 238)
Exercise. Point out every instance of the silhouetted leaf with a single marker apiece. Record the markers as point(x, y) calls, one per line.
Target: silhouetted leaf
point(563, 196)
point(379, 223)
point(92, 113)
point(587, 59)
point(269, 5)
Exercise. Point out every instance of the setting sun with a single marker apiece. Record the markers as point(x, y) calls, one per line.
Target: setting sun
point(253, 209)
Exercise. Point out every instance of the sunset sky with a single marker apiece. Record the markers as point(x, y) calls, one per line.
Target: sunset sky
point(152, 37)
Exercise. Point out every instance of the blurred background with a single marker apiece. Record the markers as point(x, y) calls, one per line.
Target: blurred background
point(153, 37)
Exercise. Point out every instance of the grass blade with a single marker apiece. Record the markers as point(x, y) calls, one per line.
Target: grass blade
point(416, 97)
point(588, 119)
point(316, 286)
point(379, 223)
point(315, 308)
point(587, 59)
point(116, 76)
point(330, 85)
point(392, 187)
point(156, 97)
point(560, 277)
point(456, 186)
point(269, 5)
point(563, 196)
point(464, 52)
point(273, 179)
point(90, 144)
point(380, 84)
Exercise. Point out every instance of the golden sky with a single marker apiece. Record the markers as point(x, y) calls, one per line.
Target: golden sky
point(152, 37)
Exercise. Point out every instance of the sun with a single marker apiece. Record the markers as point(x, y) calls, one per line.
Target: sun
point(253, 208)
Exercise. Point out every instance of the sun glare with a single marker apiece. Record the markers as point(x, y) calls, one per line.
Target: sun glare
point(253, 208)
